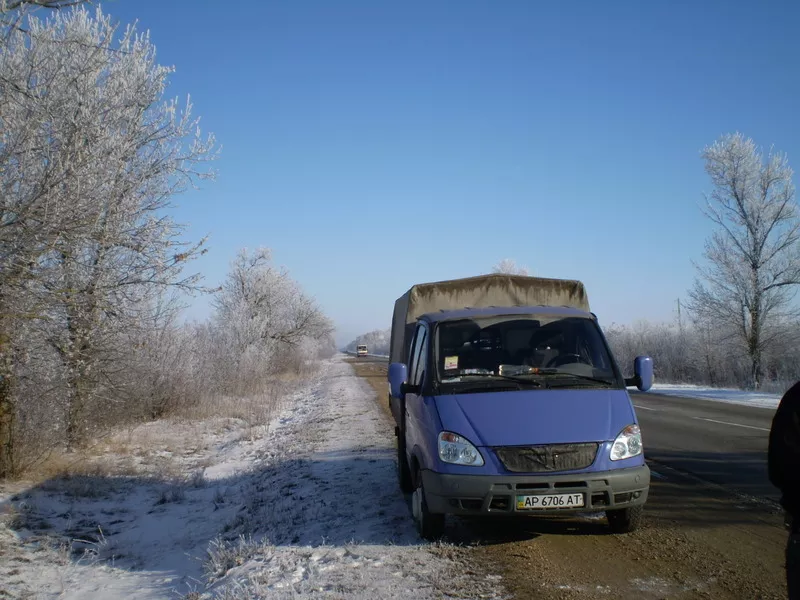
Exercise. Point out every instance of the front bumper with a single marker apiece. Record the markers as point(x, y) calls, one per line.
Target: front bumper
point(488, 494)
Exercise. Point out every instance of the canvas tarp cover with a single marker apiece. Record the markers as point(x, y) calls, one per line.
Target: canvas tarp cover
point(496, 289)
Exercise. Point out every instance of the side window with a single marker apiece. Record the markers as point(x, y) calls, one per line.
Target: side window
point(412, 355)
point(421, 357)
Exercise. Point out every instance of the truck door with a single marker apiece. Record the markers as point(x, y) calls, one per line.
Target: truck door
point(416, 407)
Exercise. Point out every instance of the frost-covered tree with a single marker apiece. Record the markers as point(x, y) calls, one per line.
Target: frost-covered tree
point(91, 155)
point(263, 318)
point(712, 361)
point(12, 16)
point(509, 266)
point(753, 258)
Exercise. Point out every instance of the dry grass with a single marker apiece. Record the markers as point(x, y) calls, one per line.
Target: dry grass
point(76, 466)
point(172, 492)
point(99, 549)
point(375, 374)
point(224, 556)
point(151, 449)
point(17, 516)
point(249, 408)
point(137, 447)
point(83, 486)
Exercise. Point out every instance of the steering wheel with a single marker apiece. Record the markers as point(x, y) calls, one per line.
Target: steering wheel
point(563, 359)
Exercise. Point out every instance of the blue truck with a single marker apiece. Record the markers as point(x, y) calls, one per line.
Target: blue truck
point(508, 401)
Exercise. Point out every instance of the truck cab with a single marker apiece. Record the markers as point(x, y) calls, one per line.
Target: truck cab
point(517, 410)
point(361, 350)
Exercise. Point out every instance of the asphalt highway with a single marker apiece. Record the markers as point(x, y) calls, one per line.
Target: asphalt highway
point(719, 442)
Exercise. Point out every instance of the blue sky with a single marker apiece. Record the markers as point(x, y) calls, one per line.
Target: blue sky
point(373, 145)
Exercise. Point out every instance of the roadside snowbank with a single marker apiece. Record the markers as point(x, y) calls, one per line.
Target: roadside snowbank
point(310, 508)
point(731, 396)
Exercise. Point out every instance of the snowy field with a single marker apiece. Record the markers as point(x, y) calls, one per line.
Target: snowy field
point(732, 396)
point(308, 507)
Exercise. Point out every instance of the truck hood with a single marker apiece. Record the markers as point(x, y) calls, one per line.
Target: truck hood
point(537, 416)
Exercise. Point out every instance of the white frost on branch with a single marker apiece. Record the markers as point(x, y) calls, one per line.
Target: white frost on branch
point(509, 266)
point(263, 318)
point(91, 156)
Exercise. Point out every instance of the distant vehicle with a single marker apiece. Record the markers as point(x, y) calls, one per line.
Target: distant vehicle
point(361, 350)
point(508, 401)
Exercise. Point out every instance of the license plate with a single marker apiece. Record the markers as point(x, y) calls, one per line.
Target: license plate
point(549, 501)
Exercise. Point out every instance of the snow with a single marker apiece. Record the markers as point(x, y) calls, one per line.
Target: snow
point(731, 396)
point(307, 507)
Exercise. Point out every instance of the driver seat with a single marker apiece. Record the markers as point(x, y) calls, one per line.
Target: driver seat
point(542, 349)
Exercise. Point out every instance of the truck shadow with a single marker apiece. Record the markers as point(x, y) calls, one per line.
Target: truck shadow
point(502, 530)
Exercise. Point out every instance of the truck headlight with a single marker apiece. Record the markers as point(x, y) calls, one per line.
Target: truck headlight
point(628, 443)
point(457, 450)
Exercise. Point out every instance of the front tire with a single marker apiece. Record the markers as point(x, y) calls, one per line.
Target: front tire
point(430, 526)
point(625, 520)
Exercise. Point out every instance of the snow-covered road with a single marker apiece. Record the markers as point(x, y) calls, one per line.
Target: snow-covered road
point(309, 509)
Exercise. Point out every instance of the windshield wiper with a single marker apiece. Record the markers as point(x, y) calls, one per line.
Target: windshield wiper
point(524, 380)
point(586, 378)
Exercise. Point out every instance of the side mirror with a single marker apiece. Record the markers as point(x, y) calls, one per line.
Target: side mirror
point(642, 373)
point(398, 373)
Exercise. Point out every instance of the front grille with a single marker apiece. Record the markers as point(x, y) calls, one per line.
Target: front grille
point(547, 459)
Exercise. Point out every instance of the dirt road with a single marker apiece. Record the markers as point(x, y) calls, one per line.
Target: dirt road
point(699, 540)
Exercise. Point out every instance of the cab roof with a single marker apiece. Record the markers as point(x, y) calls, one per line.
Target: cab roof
point(493, 311)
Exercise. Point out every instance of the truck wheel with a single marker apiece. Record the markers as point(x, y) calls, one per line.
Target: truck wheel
point(430, 526)
point(625, 520)
point(403, 471)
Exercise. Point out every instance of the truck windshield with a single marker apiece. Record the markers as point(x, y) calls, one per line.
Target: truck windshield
point(557, 351)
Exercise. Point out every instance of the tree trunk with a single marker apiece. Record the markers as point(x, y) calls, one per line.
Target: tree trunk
point(756, 369)
point(7, 408)
point(754, 343)
point(76, 412)
point(712, 380)
point(78, 382)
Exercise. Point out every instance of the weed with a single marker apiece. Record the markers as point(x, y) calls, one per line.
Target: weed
point(17, 516)
point(223, 556)
point(100, 549)
point(171, 493)
point(197, 479)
